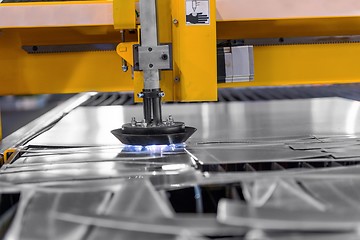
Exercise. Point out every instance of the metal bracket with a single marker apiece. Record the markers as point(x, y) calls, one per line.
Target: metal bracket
point(152, 58)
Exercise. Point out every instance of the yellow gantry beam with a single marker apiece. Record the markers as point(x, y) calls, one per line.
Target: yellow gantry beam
point(124, 14)
point(304, 64)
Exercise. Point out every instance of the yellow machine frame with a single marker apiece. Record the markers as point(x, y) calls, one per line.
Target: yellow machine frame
point(194, 75)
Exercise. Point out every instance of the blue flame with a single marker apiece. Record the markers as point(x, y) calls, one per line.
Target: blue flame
point(154, 148)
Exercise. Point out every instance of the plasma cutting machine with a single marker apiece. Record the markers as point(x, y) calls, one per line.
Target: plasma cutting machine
point(173, 51)
point(265, 170)
point(151, 58)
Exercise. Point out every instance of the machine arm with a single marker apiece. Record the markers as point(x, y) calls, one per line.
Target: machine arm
point(152, 58)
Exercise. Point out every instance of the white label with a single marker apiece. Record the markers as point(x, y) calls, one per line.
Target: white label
point(197, 12)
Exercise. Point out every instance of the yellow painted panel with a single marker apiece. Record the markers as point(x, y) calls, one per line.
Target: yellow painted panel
point(70, 35)
point(304, 64)
point(194, 49)
point(23, 73)
point(296, 27)
point(194, 56)
point(124, 14)
point(0, 126)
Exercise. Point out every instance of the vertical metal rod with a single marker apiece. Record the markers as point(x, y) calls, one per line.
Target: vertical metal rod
point(198, 199)
point(149, 38)
point(148, 23)
point(157, 110)
point(124, 64)
point(147, 109)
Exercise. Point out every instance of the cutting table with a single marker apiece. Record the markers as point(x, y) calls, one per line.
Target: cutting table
point(253, 170)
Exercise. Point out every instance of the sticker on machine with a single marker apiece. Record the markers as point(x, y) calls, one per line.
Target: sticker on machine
point(197, 12)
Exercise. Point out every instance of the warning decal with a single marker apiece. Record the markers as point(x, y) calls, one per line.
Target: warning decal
point(197, 12)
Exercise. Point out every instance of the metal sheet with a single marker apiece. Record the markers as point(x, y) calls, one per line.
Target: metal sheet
point(345, 152)
point(125, 199)
point(55, 159)
point(234, 154)
point(336, 193)
point(58, 175)
point(238, 214)
point(190, 223)
point(26, 132)
point(338, 143)
point(91, 126)
point(279, 193)
point(99, 188)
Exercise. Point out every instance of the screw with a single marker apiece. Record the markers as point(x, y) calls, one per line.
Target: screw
point(177, 79)
point(150, 65)
point(175, 21)
point(150, 49)
point(140, 95)
point(164, 57)
point(133, 121)
point(161, 94)
point(125, 68)
point(170, 120)
point(143, 123)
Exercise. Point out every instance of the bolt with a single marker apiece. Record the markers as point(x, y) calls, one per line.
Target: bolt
point(143, 123)
point(151, 65)
point(125, 68)
point(150, 49)
point(170, 120)
point(133, 121)
point(164, 57)
point(175, 21)
point(140, 95)
point(161, 94)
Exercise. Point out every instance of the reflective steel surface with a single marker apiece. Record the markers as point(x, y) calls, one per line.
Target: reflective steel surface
point(89, 126)
point(264, 170)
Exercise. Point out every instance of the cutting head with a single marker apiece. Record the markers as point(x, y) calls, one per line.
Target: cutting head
point(153, 135)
